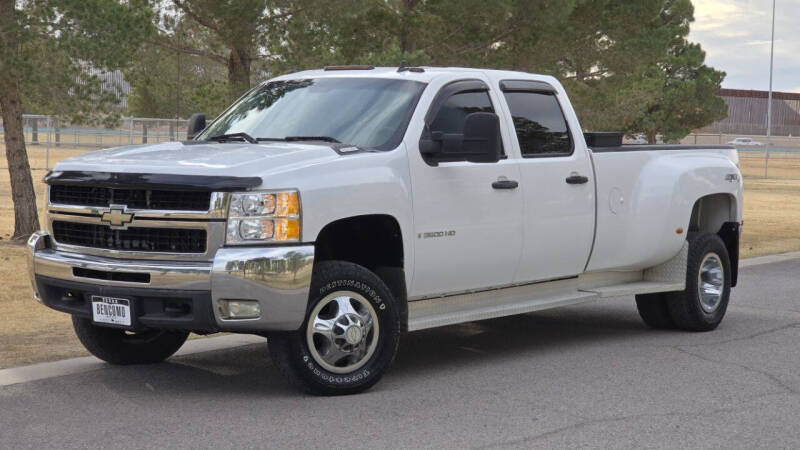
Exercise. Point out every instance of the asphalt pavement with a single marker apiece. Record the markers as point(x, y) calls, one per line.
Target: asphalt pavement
point(589, 376)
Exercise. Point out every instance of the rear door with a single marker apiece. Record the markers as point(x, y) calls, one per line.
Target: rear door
point(557, 182)
point(468, 227)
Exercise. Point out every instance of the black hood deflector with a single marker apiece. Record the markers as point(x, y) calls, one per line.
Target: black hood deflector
point(122, 180)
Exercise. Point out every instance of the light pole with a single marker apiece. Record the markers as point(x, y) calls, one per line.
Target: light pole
point(769, 98)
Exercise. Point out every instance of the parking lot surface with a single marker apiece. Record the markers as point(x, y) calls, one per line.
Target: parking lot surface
point(583, 376)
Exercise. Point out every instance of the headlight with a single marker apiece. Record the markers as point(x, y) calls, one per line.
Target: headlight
point(263, 217)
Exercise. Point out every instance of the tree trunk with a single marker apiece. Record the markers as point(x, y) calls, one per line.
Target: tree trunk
point(408, 7)
point(26, 220)
point(238, 72)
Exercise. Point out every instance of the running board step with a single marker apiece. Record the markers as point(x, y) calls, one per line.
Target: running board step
point(438, 312)
point(635, 287)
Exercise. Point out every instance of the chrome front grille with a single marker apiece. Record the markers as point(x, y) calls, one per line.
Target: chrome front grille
point(133, 198)
point(169, 240)
point(155, 225)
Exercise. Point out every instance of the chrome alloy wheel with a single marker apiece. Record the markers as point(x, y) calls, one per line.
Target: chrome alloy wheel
point(342, 333)
point(710, 282)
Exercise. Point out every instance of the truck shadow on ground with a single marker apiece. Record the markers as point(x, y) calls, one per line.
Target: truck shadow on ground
point(430, 353)
point(491, 341)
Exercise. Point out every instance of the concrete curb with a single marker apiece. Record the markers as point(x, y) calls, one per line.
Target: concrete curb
point(769, 259)
point(24, 374)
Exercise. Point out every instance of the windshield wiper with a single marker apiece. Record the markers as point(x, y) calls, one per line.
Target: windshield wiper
point(312, 138)
point(233, 136)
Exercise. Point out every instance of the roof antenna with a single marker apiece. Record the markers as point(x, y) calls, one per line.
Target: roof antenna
point(403, 66)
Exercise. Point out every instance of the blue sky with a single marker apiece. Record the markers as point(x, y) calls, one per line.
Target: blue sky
point(735, 35)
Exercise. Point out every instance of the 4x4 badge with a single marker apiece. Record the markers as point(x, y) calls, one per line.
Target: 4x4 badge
point(117, 217)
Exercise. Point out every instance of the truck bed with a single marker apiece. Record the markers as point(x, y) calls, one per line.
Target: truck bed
point(658, 147)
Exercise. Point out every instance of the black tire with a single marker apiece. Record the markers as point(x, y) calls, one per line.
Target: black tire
point(290, 351)
point(654, 311)
point(115, 346)
point(685, 306)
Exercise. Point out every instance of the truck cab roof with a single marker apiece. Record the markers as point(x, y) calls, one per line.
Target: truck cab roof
point(429, 74)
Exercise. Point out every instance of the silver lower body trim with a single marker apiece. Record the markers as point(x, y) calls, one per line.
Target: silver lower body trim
point(279, 278)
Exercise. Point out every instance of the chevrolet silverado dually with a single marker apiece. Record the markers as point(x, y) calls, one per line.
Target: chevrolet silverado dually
point(333, 210)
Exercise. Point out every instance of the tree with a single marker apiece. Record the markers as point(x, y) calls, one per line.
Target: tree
point(687, 97)
point(169, 83)
point(626, 65)
point(47, 45)
point(232, 33)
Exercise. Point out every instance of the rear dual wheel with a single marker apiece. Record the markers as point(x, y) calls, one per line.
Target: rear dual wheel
point(701, 306)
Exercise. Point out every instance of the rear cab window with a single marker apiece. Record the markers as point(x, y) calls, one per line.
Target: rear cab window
point(539, 120)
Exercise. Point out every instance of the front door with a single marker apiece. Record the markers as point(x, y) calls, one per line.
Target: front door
point(468, 227)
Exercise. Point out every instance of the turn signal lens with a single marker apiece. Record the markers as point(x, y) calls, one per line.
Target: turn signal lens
point(287, 204)
point(287, 230)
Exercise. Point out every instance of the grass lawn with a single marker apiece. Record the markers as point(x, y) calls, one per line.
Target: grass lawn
point(31, 333)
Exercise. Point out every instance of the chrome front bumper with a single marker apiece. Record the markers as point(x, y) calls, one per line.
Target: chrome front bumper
point(277, 277)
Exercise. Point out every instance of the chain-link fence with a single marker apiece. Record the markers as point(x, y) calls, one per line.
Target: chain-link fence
point(776, 157)
point(50, 139)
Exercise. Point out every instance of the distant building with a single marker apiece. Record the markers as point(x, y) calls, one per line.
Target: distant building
point(747, 113)
point(112, 83)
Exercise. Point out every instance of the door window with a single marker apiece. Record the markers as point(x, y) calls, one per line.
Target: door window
point(540, 124)
point(454, 111)
point(452, 114)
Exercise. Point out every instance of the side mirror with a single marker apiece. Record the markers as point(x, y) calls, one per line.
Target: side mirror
point(197, 123)
point(480, 142)
point(482, 138)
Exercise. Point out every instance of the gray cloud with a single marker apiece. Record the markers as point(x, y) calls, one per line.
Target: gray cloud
point(736, 33)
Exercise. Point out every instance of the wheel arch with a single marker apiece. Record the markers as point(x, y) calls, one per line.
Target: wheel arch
point(374, 241)
point(718, 214)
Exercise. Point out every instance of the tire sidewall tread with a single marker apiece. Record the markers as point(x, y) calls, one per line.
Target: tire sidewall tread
point(684, 306)
point(110, 345)
point(290, 353)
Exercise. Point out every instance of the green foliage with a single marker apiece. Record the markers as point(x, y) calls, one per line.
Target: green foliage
point(167, 83)
point(58, 42)
point(627, 65)
point(686, 97)
point(230, 33)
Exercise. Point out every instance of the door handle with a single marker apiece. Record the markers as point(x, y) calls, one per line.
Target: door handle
point(577, 179)
point(505, 184)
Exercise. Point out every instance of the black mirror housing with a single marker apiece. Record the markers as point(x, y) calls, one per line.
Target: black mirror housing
point(197, 123)
point(480, 143)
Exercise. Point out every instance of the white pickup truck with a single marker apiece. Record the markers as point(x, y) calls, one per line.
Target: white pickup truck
point(333, 210)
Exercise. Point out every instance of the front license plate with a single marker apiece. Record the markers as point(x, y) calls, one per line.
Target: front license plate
point(115, 311)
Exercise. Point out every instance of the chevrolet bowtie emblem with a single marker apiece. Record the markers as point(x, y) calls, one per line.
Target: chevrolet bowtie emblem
point(116, 216)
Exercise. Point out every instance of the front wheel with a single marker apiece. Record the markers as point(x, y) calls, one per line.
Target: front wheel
point(349, 337)
point(122, 347)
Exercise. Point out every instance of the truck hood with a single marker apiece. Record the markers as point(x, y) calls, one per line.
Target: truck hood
point(206, 158)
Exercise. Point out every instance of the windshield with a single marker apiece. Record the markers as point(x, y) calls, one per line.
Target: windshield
point(370, 113)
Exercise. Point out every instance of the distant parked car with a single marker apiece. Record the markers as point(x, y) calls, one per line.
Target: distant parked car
point(745, 142)
point(638, 139)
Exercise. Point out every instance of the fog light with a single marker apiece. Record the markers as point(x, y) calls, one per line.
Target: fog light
point(239, 309)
